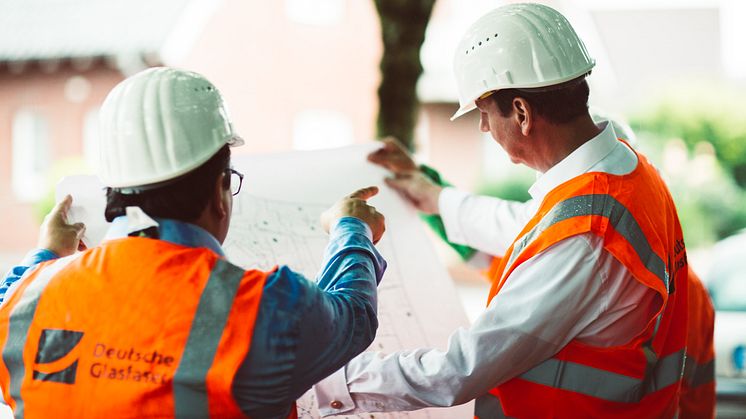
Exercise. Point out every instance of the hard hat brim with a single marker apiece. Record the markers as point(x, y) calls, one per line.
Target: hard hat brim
point(464, 110)
point(547, 86)
point(235, 141)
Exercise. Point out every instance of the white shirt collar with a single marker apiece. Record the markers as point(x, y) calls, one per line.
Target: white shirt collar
point(578, 162)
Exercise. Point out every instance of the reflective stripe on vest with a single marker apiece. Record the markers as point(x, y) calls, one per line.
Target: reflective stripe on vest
point(698, 374)
point(604, 384)
point(588, 380)
point(189, 392)
point(635, 218)
point(606, 206)
point(18, 327)
point(488, 407)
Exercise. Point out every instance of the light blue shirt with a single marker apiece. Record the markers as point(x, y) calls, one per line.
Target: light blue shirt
point(304, 330)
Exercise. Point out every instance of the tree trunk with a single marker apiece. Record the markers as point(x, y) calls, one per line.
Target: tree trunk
point(403, 24)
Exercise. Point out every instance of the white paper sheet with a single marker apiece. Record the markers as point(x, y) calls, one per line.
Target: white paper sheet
point(275, 221)
point(89, 204)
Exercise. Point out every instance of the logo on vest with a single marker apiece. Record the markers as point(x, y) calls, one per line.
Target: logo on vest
point(131, 364)
point(55, 360)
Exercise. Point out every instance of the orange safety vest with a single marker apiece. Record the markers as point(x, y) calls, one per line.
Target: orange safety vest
point(698, 386)
point(134, 328)
point(636, 218)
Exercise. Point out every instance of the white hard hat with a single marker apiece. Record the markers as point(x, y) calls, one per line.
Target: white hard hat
point(517, 46)
point(160, 124)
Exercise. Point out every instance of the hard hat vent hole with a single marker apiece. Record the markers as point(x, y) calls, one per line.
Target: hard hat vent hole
point(480, 43)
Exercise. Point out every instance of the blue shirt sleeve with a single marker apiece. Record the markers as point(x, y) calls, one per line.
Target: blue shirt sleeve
point(32, 259)
point(306, 330)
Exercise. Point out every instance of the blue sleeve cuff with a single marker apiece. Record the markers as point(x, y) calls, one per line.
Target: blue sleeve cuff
point(38, 256)
point(350, 225)
point(32, 259)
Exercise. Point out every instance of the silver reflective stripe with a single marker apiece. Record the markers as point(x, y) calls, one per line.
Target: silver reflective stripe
point(698, 374)
point(190, 390)
point(19, 325)
point(667, 371)
point(604, 384)
point(602, 205)
point(488, 407)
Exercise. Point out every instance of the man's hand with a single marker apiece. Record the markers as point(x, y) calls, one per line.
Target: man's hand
point(393, 157)
point(355, 205)
point(407, 178)
point(418, 189)
point(57, 235)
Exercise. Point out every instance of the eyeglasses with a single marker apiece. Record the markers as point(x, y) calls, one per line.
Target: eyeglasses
point(236, 179)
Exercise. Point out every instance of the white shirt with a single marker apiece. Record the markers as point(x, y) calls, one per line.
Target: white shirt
point(572, 290)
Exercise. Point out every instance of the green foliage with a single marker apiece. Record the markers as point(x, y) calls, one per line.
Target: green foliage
point(710, 204)
point(702, 112)
point(711, 211)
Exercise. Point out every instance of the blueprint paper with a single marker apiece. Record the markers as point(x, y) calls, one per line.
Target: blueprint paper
point(276, 221)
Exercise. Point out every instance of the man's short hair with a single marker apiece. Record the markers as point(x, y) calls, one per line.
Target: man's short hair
point(557, 104)
point(183, 199)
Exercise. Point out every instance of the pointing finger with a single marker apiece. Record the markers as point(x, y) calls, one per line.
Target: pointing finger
point(63, 205)
point(364, 193)
point(59, 212)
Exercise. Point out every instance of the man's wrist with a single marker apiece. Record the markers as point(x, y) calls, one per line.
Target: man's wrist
point(332, 394)
point(433, 175)
point(38, 256)
point(352, 225)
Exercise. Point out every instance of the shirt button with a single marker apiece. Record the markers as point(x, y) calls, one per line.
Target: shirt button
point(336, 404)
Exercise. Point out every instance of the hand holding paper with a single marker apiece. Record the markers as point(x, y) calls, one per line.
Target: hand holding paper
point(418, 189)
point(393, 157)
point(406, 178)
point(57, 234)
point(87, 207)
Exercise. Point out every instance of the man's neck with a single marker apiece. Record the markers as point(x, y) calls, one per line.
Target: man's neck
point(560, 140)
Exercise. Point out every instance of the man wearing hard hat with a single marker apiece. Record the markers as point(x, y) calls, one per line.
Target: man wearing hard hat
point(587, 315)
point(155, 322)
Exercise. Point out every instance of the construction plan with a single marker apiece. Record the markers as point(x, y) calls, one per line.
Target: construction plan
point(276, 222)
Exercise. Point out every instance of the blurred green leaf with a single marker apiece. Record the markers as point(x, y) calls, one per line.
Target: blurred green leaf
point(699, 111)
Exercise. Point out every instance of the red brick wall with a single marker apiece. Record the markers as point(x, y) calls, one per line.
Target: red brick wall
point(271, 68)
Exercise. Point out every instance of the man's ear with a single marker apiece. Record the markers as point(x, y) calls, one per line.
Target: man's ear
point(523, 113)
point(218, 204)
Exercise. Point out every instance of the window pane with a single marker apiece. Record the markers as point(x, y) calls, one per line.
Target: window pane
point(31, 155)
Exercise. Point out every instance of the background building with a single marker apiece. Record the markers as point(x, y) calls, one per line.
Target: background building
point(300, 74)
